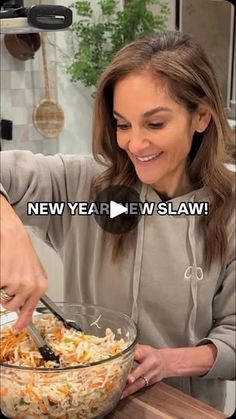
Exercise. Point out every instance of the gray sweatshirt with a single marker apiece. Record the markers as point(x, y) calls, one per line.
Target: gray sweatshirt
point(159, 281)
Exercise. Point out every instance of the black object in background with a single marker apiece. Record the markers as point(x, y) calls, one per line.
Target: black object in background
point(49, 16)
point(6, 129)
point(11, 4)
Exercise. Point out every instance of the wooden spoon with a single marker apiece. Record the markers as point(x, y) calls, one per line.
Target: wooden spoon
point(48, 116)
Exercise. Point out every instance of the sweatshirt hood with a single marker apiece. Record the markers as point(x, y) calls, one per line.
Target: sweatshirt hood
point(193, 272)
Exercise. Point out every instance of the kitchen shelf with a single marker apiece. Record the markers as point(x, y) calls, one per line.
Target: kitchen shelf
point(20, 25)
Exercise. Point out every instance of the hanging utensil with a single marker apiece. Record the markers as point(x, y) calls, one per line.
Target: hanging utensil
point(22, 46)
point(48, 116)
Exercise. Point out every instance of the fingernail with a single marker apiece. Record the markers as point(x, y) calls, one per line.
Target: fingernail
point(15, 330)
point(131, 379)
point(121, 397)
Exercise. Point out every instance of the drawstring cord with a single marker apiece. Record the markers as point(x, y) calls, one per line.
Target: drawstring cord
point(193, 273)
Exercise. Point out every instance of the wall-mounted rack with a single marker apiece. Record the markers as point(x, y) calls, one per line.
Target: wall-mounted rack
point(36, 18)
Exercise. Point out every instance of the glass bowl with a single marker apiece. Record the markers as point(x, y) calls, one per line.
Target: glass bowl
point(90, 391)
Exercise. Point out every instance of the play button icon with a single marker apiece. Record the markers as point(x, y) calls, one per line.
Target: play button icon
point(119, 219)
point(117, 209)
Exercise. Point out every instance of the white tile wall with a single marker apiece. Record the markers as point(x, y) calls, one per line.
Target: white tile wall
point(18, 79)
point(22, 88)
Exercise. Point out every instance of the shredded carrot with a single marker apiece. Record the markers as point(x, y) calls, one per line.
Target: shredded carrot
point(31, 390)
point(101, 374)
point(64, 389)
point(58, 335)
point(3, 391)
point(96, 385)
point(109, 385)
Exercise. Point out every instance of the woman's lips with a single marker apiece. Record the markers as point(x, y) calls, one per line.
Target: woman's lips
point(147, 159)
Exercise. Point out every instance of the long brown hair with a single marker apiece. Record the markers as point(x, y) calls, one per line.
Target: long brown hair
point(191, 81)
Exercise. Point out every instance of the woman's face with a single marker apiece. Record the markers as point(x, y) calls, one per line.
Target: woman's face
point(154, 130)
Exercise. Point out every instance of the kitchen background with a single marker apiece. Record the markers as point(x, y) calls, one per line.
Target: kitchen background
point(22, 88)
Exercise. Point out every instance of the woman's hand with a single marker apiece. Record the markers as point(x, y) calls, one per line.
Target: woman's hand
point(22, 275)
point(156, 364)
point(151, 369)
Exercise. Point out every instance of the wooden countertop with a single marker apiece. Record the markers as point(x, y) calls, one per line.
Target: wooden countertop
point(163, 401)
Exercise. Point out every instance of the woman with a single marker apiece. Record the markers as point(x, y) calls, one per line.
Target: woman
point(159, 127)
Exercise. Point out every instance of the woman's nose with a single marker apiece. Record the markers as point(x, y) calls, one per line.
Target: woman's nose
point(138, 141)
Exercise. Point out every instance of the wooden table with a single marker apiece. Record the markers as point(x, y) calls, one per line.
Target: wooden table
point(163, 401)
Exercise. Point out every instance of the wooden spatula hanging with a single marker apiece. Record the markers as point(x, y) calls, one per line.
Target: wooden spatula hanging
point(48, 116)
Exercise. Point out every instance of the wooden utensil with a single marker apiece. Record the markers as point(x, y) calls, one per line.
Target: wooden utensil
point(48, 116)
point(22, 45)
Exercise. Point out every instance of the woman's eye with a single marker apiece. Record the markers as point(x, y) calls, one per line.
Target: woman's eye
point(122, 126)
point(156, 126)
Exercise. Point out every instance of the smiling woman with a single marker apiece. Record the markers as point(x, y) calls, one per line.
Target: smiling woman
point(157, 140)
point(173, 109)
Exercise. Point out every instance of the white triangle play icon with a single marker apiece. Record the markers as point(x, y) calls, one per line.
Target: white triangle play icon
point(116, 209)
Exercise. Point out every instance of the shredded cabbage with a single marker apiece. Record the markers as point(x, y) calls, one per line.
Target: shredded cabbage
point(80, 393)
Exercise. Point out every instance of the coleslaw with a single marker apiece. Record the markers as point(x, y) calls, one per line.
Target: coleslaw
point(84, 392)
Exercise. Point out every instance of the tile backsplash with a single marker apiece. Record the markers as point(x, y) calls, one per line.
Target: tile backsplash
point(22, 88)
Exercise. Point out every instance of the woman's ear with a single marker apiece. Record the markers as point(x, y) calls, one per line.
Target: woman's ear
point(203, 117)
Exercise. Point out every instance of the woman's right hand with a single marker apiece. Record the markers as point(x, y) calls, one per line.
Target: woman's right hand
point(22, 275)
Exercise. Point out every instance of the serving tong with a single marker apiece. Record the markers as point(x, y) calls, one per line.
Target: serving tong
point(59, 313)
point(46, 352)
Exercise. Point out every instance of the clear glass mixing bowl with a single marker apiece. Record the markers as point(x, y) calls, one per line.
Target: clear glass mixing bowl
point(92, 391)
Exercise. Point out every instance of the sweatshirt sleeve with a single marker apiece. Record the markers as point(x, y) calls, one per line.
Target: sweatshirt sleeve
point(223, 333)
point(28, 177)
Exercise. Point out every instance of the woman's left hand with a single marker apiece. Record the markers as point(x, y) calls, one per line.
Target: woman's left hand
point(156, 364)
point(151, 369)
